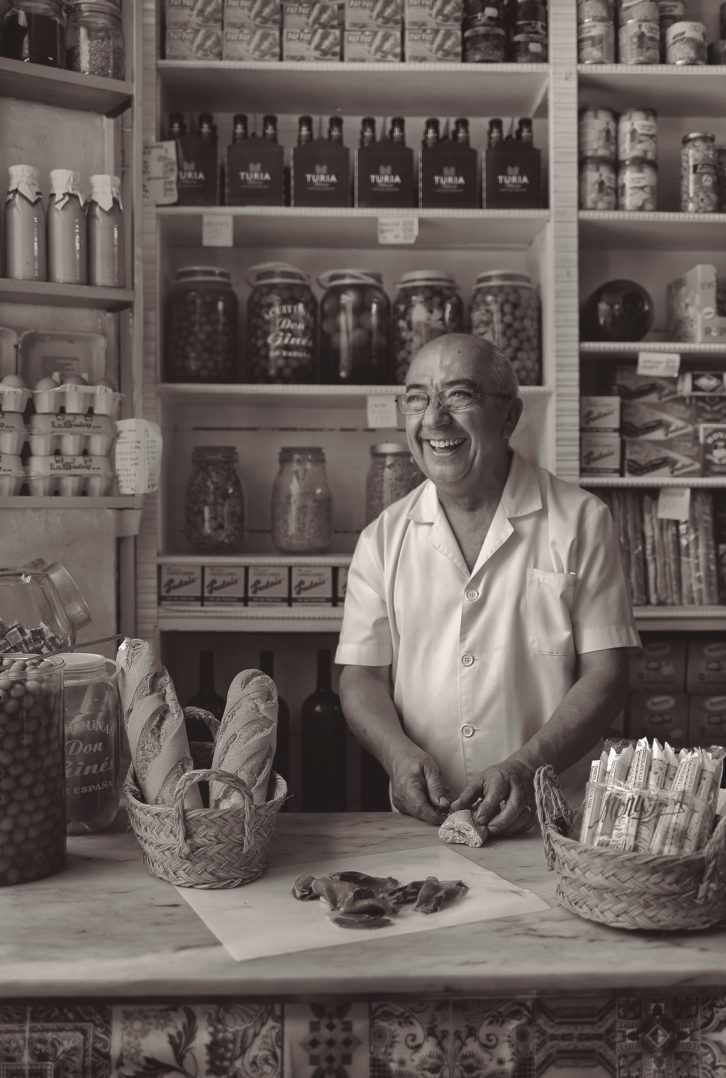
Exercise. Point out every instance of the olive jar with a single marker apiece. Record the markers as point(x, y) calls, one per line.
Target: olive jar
point(427, 305)
point(95, 38)
point(302, 510)
point(201, 317)
point(34, 31)
point(392, 473)
point(505, 311)
point(281, 325)
point(214, 502)
point(354, 328)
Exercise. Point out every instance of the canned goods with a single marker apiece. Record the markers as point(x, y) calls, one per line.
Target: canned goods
point(638, 185)
point(483, 44)
point(686, 43)
point(594, 9)
point(596, 42)
point(598, 189)
point(597, 133)
point(639, 42)
point(699, 190)
point(646, 10)
point(638, 134)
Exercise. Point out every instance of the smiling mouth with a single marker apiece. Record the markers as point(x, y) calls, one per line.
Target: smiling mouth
point(444, 446)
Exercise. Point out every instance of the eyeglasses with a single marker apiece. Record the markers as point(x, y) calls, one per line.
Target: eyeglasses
point(454, 399)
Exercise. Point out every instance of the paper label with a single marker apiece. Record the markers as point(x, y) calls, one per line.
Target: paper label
point(138, 456)
point(160, 173)
point(217, 230)
point(381, 412)
point(397, 230)
point(659, 364)
point(674, 503)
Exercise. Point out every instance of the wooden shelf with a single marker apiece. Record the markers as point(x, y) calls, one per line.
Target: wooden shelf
point(313, 396)
point(63, 89)
point(247, 619)
point(634, 482)
point(670, 90)
point(656, 231)
point(450, 89)
point(631, 348)
point(48, 294)
point(681, 618)
point(118, 501)
point(232, 560)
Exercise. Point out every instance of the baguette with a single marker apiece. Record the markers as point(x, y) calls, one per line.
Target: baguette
point(247, 738)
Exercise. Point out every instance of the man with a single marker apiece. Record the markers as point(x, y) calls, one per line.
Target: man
point(486, 621)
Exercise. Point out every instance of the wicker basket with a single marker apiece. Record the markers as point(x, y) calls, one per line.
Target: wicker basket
point(205, 847)
point(630, 890)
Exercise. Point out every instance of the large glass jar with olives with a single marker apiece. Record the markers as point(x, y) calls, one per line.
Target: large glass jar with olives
point(427, 305)
point(201, 327)
point(354, 328)
point(281, 325)
point(214, 503)
point(302, 507)
point(505, 311)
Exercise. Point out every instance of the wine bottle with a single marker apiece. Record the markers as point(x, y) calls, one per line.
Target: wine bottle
point(281, 763)
point(324, 736)
point(205, 697)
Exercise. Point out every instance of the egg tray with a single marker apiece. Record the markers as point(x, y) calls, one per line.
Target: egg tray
point(76, 400)
point(14, 399)
point(48, 435)
point(68, 476)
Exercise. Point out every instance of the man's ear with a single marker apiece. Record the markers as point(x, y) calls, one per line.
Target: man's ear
point(512, 416)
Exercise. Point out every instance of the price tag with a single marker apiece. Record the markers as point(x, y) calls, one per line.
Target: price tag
point(160, 173)
point(674, 503)
point(137, 456)
point(659, 364)
point(381, 412)
point(397, 230)
point(217, 230)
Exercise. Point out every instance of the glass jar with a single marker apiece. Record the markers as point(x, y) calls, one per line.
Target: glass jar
point(599, 10)
point(302, 509)
point(214, 502)
point(644, 10)
point(392, 474)
point(686, 43)
point(639, 42)
point(355, 321)
point(67, 240)
point(598, 184)
point(33, 31)
point(427, 305)
point(32, 766)
point(505, 311)
point(25, 226)
point(638, 185)
point(638, 134)
point(699, 174)
point(105, 224)
point(95, 39)
point(281, 325)
point(41, 609)
point(597, 132)
point(92, 714)
point(482, 43)
point(201, 327)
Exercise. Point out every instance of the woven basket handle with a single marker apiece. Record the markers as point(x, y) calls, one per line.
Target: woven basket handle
point(552, 809)
point(209, 720)
point(190, 778)
point(714, 853)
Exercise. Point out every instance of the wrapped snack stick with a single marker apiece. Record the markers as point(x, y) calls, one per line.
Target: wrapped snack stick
point(594, 797)
point(703, 810)
point(673, 823)
point(625, 828)
point(247, 737)
point(713, 758)
point(615, 775)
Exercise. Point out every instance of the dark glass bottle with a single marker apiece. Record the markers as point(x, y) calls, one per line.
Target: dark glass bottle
point(205, 697)
point(177, 126)
point(324, 737)
point(281, 763)
point(304, 130)
point(524, 131)
point(495, 134)
point(367, 131)
point(431, 133)
point(335, 129)
point(461, 132)
point(397, 131)
point(269, 128)
point(240, 131)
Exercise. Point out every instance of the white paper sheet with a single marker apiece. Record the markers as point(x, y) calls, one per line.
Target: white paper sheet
point(263, 919)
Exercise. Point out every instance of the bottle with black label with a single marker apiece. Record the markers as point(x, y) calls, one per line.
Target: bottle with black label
point(448, 168)
point(512, 170)
point(205, 697)
point(321, 169)
point(255, 166)
point(281, 763)
point(384, 169)
point(198, 174)
point(324, 739)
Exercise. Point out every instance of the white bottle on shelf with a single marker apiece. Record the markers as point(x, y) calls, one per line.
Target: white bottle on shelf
point(25, 246)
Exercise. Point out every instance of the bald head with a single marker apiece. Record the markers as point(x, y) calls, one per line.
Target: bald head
point(468, 356)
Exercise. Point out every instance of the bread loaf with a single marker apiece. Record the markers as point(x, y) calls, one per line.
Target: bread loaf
point(459, 827)
point(247, 737)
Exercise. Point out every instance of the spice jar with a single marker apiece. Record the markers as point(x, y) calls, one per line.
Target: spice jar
point(597, 133)
point(302, 510)
point(699, 179)
point(355, 321)
point(598, 185)
point(686, 43)
point(281, 325)
point(91, 710)
point(32, 765)
point(201, 326)
point(596, 41)
point(95, 39)
point(41, 609)
point(392, 474)
point(214, 502)
point(505, 310)
point(25, 226)
point(427, 305)
point(67, 246)
point(32, 30)
point(105, 224)
point(639, 42)
point(637, 185)
point(638, 134)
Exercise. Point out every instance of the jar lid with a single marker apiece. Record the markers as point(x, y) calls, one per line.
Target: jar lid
point(95, 7)
point(82, 667)
point(504, 277)
point(214, 452)
point(195, 273)
point(350, 276)
point(389, 449)
point(427, 277)
point(312, 452)
point(639, 161)
point(699, 134)
point(275, 273)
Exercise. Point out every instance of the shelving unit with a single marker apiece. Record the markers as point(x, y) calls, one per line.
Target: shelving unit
point(61, 89)
point(46, 293)
point(659, 231)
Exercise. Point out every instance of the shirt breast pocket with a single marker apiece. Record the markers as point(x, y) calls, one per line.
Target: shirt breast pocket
point(548, 607)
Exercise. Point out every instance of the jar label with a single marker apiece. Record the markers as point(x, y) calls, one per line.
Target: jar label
point(89, 746)
point(290, 333)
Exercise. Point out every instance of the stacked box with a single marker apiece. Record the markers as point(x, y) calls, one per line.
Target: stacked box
point(310, 30)
point(630, 385)
point(311, 584)
point(692, 307)
point(373, 30)
point(707, 720)
point(432, 30)
point(223, 585)
point(600, 413)
point(180, 584)
point(659, 714)
point(599, 453)
point(252, 30)
point(706, 666)
point(341, 583)
point(193, 30)
point(660, 664)
point(268, 585)
point(670, 457)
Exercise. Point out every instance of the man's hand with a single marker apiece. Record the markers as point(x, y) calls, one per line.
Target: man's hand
point(502, 799)
point(417, 786)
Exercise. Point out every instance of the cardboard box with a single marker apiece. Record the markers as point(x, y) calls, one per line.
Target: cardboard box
point(341, 583)
point(424, 44)
point(251, 43)
point(692, 307)
point(316, 44)
point(268, 585)
point(661, 664)
point(373, 14)
point(702, 383)
point(600, 413)
point(707, 720)
point(433, 14)
point(643, 387)
point(658, 420)
point(659, 714)
point(224, 585)
point(311, 584)
point(600, 453)
point(713, 448)
point(242, 14)
point(310, 15)
point(672, 457)
point(706, 665)
point(368, 46)
point(193, 29)
point(709, 410)
point(180, 584)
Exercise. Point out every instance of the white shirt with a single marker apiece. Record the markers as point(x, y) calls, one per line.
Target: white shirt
point(480, 660)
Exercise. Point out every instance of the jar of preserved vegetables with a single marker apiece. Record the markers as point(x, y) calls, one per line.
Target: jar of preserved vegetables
point(505, 311)
point(302, 509)
point(95, 38)
point(427, 305)
point(201, 327)
point(33, 30)
point(214, 502)
point(281, 325)
point(392, 474)
point(355, 319)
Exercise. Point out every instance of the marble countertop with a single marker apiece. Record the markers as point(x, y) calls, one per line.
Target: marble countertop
point(105, 928)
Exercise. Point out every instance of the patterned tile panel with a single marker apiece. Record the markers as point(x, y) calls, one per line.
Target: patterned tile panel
point(326, 1040)
point(658, 1038)
point(55, 1041)
point(575, 1034)
point(712, 1028)
point(492, 1038)
point(410, 1039)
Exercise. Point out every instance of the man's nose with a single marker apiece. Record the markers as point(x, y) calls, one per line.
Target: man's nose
point(437, 407)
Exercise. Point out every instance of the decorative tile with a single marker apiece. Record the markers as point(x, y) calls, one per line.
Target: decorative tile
point(712, 1029)
point(575, 1034)
point(658, 1038)
point(492, 1038)
point(410, 1039)
point(245, 1040)
point(55, 1041)
point(326, 1040)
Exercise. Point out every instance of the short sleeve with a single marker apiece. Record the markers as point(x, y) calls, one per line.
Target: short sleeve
point(602, 614)
point(365, 635)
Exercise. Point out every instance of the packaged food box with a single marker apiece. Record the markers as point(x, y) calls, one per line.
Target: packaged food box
point(310, 15)
point(69, 476)
point(425, 44)
point(709, 410)
point(659, 714)
point(706, 665)
point(268, 585)
point(193, 30)
point(702, 383)
point(180, 584)
point(366, 46)
point(224, 585)
point(14, 394)
point(600, 413)
point(252, 43)
point(242, 14)
point(661, 664)
point(305, 45)
point(713, 448)
point(630, 385)
point(673, 457)
point(12, 475)
point(692, 306)
point(8, 351)
point(71, 435)
point(341, 583)
point(12, 433)
point(43, 353)
point(707, 720)
point(656, 420)
point(373, 14)
point(600, 453)
point(311, 584)
point(433, 14)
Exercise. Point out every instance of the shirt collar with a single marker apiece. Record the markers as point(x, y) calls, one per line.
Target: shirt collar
point(521, 494)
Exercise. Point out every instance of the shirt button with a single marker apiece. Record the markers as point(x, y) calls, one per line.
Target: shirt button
point(472, 595)
point(467, 659)
point(467, 731)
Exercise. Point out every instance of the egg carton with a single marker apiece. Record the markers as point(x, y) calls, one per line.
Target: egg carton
point(70, 476)
point(43, 352)
point(12, 433)
point(12, 475)
point(71, 435)
point(77, 400)
point(14, 398)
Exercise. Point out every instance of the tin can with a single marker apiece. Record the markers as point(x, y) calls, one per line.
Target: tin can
point(638, 134)
point(596, 42)
point(598, 188)
point(686, 43)
point(597, 133)
point(639, 42)
point(638, 185)
point(646, 10)
point(594, 9)
point(699, 187)
point(721, 177)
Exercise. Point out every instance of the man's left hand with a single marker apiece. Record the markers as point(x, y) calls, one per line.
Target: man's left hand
point(502, 799)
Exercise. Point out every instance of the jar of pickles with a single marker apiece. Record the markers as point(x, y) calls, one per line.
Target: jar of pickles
point(699, 174)
point(201, 327)
point(505, 311)
point(355, 320)
point(281, 325)
point(95, 38)
point(427, 305)
point(302, 508)
point(392, 474)
point(214, 502)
